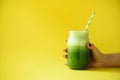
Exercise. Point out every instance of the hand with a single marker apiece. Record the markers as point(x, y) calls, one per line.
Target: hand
point(96, 57)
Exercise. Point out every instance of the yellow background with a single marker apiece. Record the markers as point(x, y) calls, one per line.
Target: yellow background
point(33, 34)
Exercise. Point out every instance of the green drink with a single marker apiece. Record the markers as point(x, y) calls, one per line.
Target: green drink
point(78, 53)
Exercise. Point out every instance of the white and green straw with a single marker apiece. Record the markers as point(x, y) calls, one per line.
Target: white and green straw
point(89, 21)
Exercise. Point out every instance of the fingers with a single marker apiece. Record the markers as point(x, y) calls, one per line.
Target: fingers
point(66, 64)
point(65, 56)
point(65, 50)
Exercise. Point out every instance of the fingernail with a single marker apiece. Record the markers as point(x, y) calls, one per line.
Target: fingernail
point(90, 44)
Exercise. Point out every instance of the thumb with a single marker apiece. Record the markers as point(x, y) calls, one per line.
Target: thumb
point(95, 53)
point(92, 48)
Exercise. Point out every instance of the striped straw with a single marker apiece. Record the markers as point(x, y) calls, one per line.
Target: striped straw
point(89, 21)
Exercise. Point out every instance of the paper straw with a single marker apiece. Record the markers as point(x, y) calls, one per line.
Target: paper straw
point(89, 21)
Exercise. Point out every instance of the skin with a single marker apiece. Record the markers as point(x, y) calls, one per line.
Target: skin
point(99, 59)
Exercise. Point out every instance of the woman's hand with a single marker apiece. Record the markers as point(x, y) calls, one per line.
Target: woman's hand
point(96, 57)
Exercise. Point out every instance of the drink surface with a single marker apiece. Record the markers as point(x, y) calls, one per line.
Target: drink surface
point(78, 53)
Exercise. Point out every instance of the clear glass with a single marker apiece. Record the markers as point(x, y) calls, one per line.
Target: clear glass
point(78, 53)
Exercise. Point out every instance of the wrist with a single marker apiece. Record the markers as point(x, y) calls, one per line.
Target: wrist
point(106, 60)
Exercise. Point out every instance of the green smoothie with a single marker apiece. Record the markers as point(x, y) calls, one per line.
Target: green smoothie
point(78, 53)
